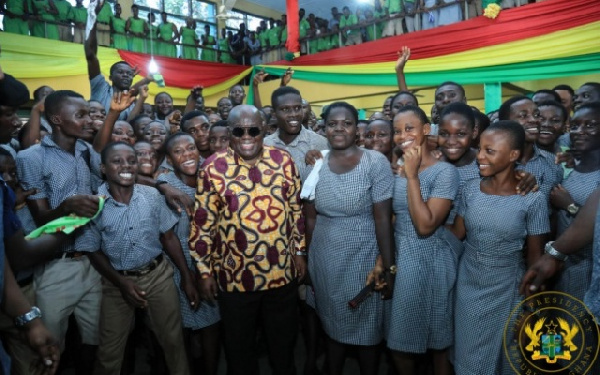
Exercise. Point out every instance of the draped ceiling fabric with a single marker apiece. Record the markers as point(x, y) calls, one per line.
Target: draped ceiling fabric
point(554, 38)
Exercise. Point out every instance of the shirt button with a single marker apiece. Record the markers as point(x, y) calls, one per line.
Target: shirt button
point(130, 228)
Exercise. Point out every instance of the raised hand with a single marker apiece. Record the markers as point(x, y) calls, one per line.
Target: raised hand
point(403, 57)
point(259, 77)
point(121, 100)
point(412, 162)
point(287, 77)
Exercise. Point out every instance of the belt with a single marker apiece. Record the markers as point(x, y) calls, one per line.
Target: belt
point(26, 281)
point(143, 270)
point(69, 255)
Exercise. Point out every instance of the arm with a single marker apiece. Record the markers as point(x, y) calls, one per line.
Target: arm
point(195, 93)
point(52, 6)
point(32, 133)
point(259, 77)
point(175, 197)
point(127, 25)
point(172, 247)
point(458, 228)
point(90, 46)
point(579, 234)
point(384, 233)
point(139, 103)
point(80, 205)
point(400, 63)
point(23, 254)
point(299, 241)
point(535, 246)
point(175, 33)
point(203, 227)
point(120, 101)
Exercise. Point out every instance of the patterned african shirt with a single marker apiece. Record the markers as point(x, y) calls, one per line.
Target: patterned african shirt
point(248, 223)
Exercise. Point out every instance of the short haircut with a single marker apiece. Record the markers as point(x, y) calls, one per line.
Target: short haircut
point(565, 88)
point(452, 83)
point(109, 147)
point(138, 118)
point(163, 93)
point(594, 85)
point(344, 105)
point(384, 121)
point(5, 152)
point(461, 109)
point(172, 138)
point(237, 84)
point(190, 115)
point(552, 93)
point(113, 67)
point(281, 91)
point(481, 120)
point(552, 103)
point(417, 111)
point(220, 123)
point(224, 98)
point(55, 100)
point(404, 93)
point(514, 130)
point(504, 111)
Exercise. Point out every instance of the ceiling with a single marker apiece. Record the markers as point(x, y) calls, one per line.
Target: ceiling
point(321, 8)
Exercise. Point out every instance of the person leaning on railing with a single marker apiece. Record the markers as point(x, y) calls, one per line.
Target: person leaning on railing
point(78, 16)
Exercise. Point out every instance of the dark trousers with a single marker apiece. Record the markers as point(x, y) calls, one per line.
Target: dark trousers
point(277, 311)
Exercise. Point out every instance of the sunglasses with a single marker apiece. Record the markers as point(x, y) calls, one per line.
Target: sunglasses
point(239, 131)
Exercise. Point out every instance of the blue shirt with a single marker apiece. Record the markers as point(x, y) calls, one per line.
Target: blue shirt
point(542, 166)
point(4, 358)
point(58, 174)
point(129, 233)
point(592, 297)
point(102, 92)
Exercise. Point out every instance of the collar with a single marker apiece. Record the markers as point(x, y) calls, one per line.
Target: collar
point(303, 136)
point(103, 190)
point(80, 145)
point(237, 160)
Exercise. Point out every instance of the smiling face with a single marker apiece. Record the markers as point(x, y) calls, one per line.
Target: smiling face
point(361, 134)
point(585, 94)
point(224, 106)
point(551, 125)
point(379, 137)
point(155, 134)
point(340, 128)
point(289, 114)
point(10, 123)
point(237, 95)
point(146, 158)
point(183, 155)
point(526, 113)
point(120, 166)
point(123, 132)
point(74, 119)
point(495, 154)
point(249, 147)
point(454, 136)
point(409, 130)
point(163, 104)
point(585, 130)
point(218, 138)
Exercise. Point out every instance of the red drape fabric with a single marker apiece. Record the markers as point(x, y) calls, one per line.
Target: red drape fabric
point(184, 73)
point(293, 23)
point(512, 24)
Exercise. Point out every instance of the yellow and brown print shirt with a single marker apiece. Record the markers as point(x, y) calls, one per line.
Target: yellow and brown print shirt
point(248, 222)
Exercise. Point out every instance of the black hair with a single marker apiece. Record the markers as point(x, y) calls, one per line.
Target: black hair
point(388, 123)
point(281, 91)
point(592, 106)
point(37, 93)
point(55, 100)
point(224, 98)
point(452, 83)
point(137, 118)
point(190, 115)
point(163, 93)
point(344, 105)
point(109, 147)
point(113, 67)
point(514, 130)
point(404, 93)
point(5, 152)
point(552, 93)
point(504, 111)
point(220, 123)
point(594, 85)
point(481, 120)
point(237, 84)
point(565, 88)
point(172, 138)
point(461, 109)
point(417, 111)
point(552, 103)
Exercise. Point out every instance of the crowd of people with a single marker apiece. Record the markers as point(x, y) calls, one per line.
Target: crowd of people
point(260, 220)
point(59, 20)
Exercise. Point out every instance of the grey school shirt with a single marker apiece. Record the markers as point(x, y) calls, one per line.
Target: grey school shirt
point(102, 92)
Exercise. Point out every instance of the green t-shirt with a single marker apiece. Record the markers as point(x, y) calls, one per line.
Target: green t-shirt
point(16, 7)
point(393, 6)
point(263, 37)
point(64, 8)
point(304, 26)
point(78, 14)
point(274, 36)
point(105, 13)
point(284, 35)
point(351, 20)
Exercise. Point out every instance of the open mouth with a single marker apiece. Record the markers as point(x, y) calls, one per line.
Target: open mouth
point(126, 175)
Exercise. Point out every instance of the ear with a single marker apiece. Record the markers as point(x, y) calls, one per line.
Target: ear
point(475, 132)
point(427, 128)
point(514, 155)
point(103, 169)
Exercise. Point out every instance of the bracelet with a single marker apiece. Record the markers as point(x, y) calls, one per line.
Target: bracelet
point(303, 253)
point(550, 250)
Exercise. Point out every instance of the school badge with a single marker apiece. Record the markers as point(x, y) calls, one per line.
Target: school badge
point(551, 332)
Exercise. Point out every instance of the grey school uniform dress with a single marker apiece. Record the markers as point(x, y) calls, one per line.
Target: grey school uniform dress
point(489, 274)
point(420, 314)
point(577, 272)
point(207, 314)
point(344, 248)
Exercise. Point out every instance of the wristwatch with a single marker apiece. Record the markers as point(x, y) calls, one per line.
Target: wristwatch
point(550, 250)
point(33, 314)
point(572, 209)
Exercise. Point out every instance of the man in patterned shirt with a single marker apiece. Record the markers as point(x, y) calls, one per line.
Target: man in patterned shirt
point(247, 237)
